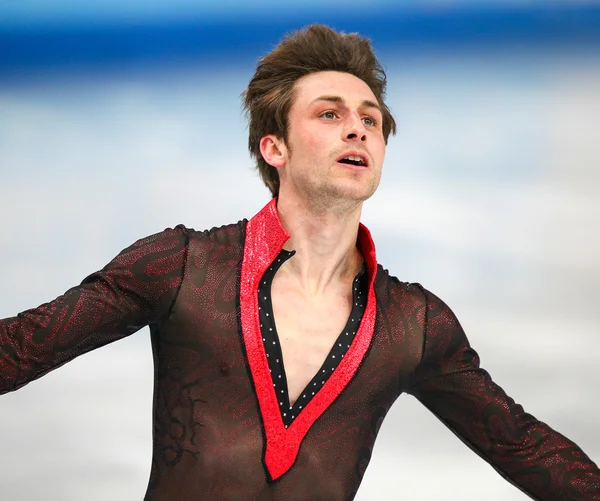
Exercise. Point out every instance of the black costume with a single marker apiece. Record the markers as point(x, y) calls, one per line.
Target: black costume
point(223, 425)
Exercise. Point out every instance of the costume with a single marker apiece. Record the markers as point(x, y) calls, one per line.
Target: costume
point(223, 426)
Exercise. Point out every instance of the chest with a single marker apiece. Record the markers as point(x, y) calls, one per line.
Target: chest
point(307, 329)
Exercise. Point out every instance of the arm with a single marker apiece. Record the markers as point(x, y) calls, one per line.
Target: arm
point(135, 289)
point(528, 453)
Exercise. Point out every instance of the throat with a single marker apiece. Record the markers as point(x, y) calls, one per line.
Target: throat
point(318, 285)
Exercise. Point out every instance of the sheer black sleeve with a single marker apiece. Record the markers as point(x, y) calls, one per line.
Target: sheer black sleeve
point(135, 289)
point(525, 451)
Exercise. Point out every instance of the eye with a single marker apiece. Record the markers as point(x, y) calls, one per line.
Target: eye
point(330, 115)
point(370, 121)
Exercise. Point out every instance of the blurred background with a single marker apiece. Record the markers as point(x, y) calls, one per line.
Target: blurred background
point(121, 118)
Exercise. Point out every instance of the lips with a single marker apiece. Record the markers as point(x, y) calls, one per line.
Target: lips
point(355, 158)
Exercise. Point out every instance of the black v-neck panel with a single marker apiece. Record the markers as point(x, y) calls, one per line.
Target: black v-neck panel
point(273, 351)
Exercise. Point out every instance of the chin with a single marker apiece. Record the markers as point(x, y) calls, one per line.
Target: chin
point(353, 195)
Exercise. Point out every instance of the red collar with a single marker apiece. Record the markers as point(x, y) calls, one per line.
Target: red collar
point(265, 237)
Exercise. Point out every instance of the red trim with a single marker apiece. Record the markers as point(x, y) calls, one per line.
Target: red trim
point(265, 237)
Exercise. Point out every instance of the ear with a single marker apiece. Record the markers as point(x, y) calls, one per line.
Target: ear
point(273, 150)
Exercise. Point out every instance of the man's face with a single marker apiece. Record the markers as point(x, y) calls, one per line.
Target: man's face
point(334, 116)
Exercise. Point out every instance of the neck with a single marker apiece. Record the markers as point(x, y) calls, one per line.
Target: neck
point(325, 245)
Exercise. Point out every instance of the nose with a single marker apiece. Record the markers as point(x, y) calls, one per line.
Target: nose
point(356, 130)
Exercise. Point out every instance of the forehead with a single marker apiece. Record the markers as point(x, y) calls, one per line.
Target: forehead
point(345, 85)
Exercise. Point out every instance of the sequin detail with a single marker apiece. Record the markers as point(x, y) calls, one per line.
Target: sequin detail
point(273, 349)
point(265, 237)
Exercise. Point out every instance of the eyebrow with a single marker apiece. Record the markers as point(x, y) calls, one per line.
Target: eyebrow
point(367, 103)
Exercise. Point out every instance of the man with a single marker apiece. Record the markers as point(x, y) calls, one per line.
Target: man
point(279, 342)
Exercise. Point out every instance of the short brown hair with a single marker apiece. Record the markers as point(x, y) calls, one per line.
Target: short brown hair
point(270, 93)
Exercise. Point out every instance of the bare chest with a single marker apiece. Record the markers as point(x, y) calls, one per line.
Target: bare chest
point(307, 329)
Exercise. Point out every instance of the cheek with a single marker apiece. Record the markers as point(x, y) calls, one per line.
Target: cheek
point(379, 150)
point(311, 144)
point(318, 137)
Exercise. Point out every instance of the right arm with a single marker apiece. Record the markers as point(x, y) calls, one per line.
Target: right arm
point(137, 288)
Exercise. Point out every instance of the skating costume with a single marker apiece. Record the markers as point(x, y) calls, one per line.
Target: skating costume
point(224, 428)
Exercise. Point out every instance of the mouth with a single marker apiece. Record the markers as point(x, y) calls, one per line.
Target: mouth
point(354, 159)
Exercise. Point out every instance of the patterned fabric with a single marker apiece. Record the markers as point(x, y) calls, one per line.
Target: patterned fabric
point(209, 438)
point(264, 239)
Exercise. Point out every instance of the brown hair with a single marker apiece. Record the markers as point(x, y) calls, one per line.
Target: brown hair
point(270, 93)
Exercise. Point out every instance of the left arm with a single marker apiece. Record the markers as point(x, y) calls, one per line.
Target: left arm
point(528, 453)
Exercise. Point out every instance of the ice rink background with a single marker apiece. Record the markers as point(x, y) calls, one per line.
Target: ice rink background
point(490, 197)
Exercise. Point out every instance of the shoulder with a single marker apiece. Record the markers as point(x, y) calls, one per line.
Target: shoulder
point(385, 281)
point(219, 242)
point(226, 234)
point(180, 237)
point(187, 234)
point(410, 293)
point(416, 289)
